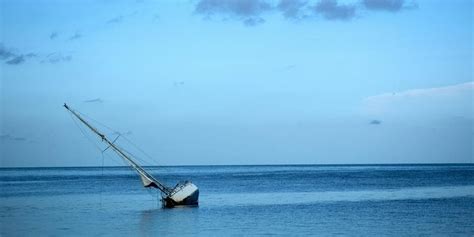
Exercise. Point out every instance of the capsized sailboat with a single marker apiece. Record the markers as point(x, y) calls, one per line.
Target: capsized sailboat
point(184, 193)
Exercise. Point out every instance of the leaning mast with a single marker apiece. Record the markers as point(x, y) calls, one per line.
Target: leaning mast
point(147, 179)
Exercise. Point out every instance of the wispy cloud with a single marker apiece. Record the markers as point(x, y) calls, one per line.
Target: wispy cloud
point(96, 100)
point(75, 36)
point(289, 67)
point(12, 58)
point(247, 11)
point(115, 20)
point(332, 10)
point(244, 8)
point(178, 83)
point(53, 35)
point(56, 58)
point(19, 59)
point(6, 53)
point(253, 21)
point(453, 100)
point(8, 137)
point(435, 91)
point(388, 5)
point(375, 122)
point(127, 133)
point(120, 18)
point(251, 12)
point(292, 9)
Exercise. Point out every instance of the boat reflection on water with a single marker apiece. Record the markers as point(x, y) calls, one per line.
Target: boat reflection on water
point(169, 222)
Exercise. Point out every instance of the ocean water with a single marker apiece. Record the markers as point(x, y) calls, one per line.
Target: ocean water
point(294, 200)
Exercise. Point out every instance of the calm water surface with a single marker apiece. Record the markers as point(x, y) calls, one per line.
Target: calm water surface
point(242, 200)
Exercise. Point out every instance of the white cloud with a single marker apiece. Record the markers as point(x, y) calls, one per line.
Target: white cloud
point(453, 100)
point(435, 91)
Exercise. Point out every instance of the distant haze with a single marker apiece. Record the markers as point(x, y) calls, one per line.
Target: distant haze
point(238, 82)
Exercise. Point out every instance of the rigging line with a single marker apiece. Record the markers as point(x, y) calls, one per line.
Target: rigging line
point(106, 127)
point(98, 122)
point(136, 157)
point(149, 191)
point(134, 171)
point(98, 148)
point(143, 161)
point(84, 134)
point(128, 140)
point(94, 143)
point(102, 179)
point(142, 151)
point(128, 152)
point(131, 171)
point(126, 163)
point(114, 160)
point(159, 197)
point(112, 143)
point(89, 139)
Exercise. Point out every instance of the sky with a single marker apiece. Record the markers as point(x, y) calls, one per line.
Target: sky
point(209, 82)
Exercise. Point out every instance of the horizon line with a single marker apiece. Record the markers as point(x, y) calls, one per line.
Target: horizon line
point(328, 164)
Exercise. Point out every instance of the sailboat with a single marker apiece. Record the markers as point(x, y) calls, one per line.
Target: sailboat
point(185, 193)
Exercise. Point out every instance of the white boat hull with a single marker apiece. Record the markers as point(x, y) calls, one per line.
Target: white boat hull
point(186, 194)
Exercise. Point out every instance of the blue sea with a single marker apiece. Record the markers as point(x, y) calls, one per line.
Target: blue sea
point(287, 200)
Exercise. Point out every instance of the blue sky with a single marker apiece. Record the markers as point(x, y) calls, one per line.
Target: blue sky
point(239, 82)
